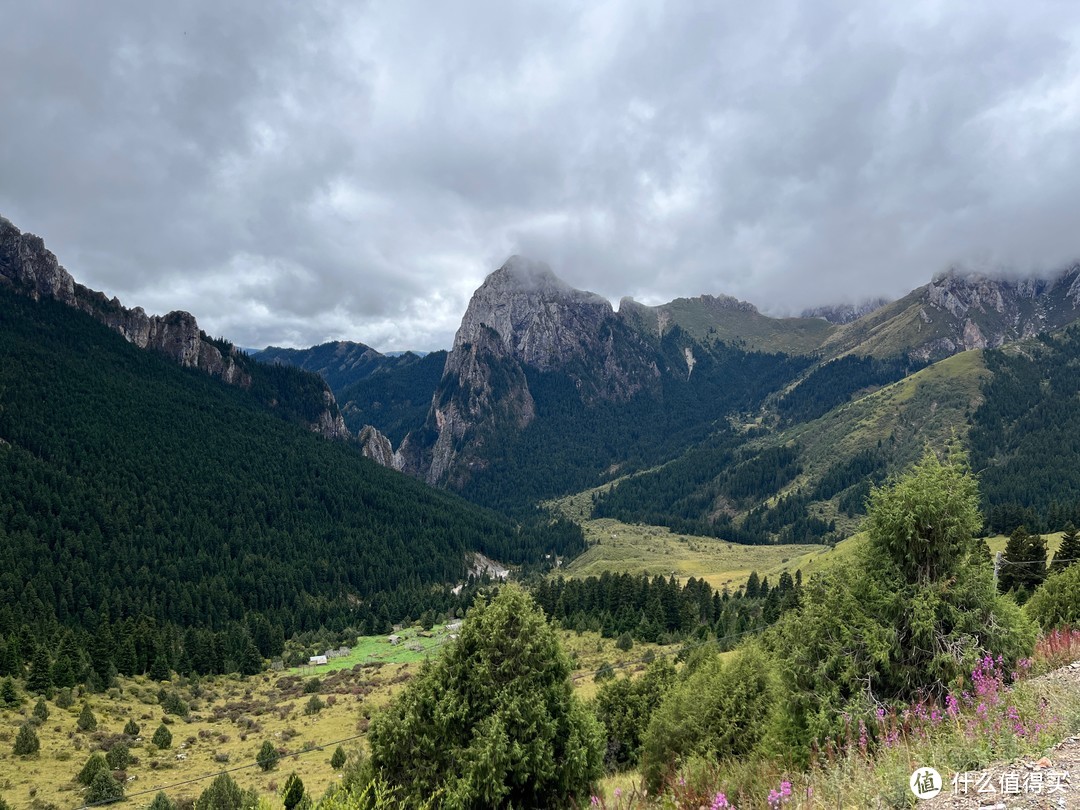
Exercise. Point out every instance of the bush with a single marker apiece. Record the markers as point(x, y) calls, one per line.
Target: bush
point(174, 704)
point(314, 705)
point(605, 673)
point(162, 802)
point(118, 757)
point(8, 694)
point(624, 708)
point(95, 765)
point(268, 756)
point(131, 728)
point(311, 686)
point(87, 721)
point(224, 794)
point(915, 610)
point(493, 721)
point(41, 711)
point(162, 737)
point(104, 789)
point(625, 643)
point(717, 711)
point(26, 741)
point(338, 759)
point(1056, 603)
point(65, 699)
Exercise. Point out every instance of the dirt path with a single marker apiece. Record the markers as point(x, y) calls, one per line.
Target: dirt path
point(1052, 781)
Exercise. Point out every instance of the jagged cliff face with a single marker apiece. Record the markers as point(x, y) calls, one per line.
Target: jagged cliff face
point(523, 316)
point(845, 313)
point(30, 268)
point(958, 311)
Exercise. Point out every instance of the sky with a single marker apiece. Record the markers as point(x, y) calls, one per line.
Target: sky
point(293, 173)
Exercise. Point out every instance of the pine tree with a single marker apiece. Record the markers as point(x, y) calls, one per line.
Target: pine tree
point(26, 741)
point(118, 757)
point(338, 759)
point(131, 728)
point(41, 711)
point(1023, 565)
point(94, 765)
point(753, 585)
point(160, 669)
point(1069, 550)
point(162, 802)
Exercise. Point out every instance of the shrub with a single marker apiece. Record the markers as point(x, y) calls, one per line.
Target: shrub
point(41, 711)
point(625, 643)
point(174, 704)
point(162, 737)
point(95, 765)
point(8, 694)
point(314, 705)
point(87, 721)
point(118, 757)
point(717, 711)
point(104, 789)
point(65, 699)
point(26, 741)
point(224, 794)
point(493, 721)
point(131, 728)
point(312, 686)
point(624, 708)
point(338, 759)
point(268, 756)
point(605, 673)
point(162, 802)
point(1057, 601)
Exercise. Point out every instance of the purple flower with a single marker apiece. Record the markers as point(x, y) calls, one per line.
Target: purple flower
point(720, 802)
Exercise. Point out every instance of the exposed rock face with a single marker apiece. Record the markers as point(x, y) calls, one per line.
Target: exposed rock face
point(377, 447)
point(30, 268)
point(523, 316)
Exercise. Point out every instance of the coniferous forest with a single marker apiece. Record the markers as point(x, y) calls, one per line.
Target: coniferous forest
point(149, 512)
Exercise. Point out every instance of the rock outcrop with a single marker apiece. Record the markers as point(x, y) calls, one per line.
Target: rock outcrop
point(377, 447)
point(523, 316)
point(845, 313)
point(30, 268)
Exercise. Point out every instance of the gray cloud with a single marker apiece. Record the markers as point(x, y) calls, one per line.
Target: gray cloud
point(299, 172)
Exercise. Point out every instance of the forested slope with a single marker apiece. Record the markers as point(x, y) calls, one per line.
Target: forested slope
point(131, 487)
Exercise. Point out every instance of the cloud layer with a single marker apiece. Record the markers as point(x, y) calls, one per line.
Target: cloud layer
point(296, 172)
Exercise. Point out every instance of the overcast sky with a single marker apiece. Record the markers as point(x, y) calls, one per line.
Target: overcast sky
point(297, 172)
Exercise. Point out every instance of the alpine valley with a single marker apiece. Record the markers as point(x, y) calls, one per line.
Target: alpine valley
point(196, 536)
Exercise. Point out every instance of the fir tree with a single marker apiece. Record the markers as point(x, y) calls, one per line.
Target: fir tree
point(338, 759)
point(39, 681)
point(131, 728)
point(8, 695)
point(1069, 550)
point(94, 765)
point(41, 711)
point(162, 802)
point(104, 789)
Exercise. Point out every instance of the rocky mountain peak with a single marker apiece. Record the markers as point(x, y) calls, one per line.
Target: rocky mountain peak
point(845, 313)
point(535, 316)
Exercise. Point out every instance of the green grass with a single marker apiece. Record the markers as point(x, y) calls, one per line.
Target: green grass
point(655, 550)
point(378, 649)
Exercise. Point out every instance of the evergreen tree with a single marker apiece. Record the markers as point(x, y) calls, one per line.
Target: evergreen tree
point(8, 695)
point(118, 757)
point(104, 789)
point(41, 711)
point(1069, 550)
point(26, 741)
point(39, 681)
point(160, 669)
point(131, 728)
point(337, 761)
point(162, 737)
point(494, 721)
point(753, 585)
point(162, 802)
point(86, 721)
point(224, 794)
point(268, 756)
point(293, 792)
point(94, 765)
point(1023, 565)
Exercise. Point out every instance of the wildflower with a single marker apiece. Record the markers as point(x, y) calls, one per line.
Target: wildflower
point(618, 793)
point(720, 802)
point(594, 801)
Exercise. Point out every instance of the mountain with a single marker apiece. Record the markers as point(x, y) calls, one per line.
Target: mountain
point(139, 493)
point(845, 313)
point(27, 267)
point(340, 363)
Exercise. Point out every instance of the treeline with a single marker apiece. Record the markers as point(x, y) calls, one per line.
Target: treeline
point(131, 488)
point(663, 609)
